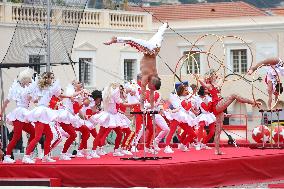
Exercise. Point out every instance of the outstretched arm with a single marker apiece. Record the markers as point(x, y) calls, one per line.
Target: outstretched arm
point(205, 85)
point(266, 62)
point(113, 40)
point(127, 40)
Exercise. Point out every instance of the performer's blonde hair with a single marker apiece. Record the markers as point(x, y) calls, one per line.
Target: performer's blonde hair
point(42, 82)
point(75, 82)
point(26, 74)
point(107, 93)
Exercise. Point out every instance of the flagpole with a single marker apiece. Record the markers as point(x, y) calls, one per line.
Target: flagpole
point(48, 37)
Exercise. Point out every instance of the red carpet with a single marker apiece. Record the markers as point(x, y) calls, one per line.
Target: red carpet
point(186, 169)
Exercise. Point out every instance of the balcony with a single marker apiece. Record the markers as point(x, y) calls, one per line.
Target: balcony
point(10, 13)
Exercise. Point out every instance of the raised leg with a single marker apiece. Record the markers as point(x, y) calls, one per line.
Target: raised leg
point(225, 102)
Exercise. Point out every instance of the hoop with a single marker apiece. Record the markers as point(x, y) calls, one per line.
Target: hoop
point(273, 105)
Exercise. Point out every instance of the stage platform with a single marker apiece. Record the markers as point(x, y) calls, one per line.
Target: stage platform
point(185, 169)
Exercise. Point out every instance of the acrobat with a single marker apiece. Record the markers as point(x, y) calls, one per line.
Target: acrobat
point(274, 70)
point(148, 69)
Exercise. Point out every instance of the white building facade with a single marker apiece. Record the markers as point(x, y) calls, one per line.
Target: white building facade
point(263, 35)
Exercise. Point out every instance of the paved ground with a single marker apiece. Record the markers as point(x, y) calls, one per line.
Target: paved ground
point(256, 185)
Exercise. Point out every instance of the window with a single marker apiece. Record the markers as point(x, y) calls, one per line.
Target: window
point(37, 59)
point(192, 63)
point(240, 60)
point(129, 69)
point(85, 70)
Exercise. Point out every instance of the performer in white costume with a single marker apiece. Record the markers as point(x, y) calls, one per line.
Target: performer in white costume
point(181, 116)
point(205, 118)
point(20, 92)
point(110, 118)
point(42, 115)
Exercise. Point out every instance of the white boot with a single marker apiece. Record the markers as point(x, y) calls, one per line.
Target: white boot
point(204, 146)
point(70, 155)
point(179, 145)
point(46, 158)
point(134, 149)
point(184, 148)
point(33, 155)
point(80, 153)
point(87, 154)
point(156, 146)
point(168, 150)
point(191, 145)
point(64, 156)
point(103, 152)
point(117, 153)
point(126, 152)
point(150, 151)
point(198, 146)
point(8, 159)
point(28, 160)
point(100, 151)
point(94, 154)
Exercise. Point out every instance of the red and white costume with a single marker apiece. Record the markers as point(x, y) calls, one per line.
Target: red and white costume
point(64, 125)
point(42, 116)
point(110, 118)
point(147, 47)
point(126, 131)
point(81, 125)
point(206, 118)
point(271, 74)
point(183, 117)
point(138, 118)
point(21, 96)
point(87, 112)
point(204, 104)
point(18, 117)
point(42, 113)
point(159, 120)
point(64, 115)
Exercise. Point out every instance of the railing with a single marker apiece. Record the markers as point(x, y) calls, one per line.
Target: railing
point(118, 20)
point(12, 12)
point(30, 14)
point(91, 19)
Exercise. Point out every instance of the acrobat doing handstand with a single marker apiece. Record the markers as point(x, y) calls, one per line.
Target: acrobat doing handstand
point(148, 69)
